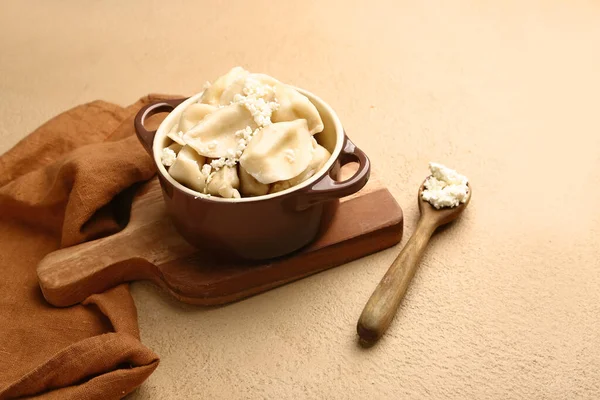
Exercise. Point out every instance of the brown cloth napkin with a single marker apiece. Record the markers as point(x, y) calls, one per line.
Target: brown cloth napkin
point(62, 185)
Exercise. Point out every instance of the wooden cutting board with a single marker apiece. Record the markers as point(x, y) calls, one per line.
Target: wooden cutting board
point(149, 248)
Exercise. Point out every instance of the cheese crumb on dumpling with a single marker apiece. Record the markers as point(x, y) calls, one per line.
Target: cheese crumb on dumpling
point(168, 157)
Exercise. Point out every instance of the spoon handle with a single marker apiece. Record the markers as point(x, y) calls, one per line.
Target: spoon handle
point(381, 307)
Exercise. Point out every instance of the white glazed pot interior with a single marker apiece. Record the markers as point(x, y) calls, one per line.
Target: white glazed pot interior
point(332, 138)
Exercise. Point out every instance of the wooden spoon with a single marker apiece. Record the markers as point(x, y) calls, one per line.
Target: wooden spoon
point(381, 307)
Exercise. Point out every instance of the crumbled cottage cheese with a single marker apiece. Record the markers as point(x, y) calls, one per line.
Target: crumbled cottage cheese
point(168, 157)
point(206, 169)
point(253, 99)
point(445, 187)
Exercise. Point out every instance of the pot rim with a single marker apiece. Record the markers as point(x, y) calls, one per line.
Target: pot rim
point(174, 115)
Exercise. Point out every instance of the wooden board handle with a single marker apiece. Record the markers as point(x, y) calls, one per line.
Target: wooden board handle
point(70, 275)
point(383, 303)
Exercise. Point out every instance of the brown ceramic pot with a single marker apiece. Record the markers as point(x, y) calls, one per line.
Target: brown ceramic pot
point(264, 226)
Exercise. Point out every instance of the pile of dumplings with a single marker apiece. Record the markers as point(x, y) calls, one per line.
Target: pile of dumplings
point(248, 135)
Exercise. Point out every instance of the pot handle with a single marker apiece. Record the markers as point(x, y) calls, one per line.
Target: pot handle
point(328, 188)
point(145, 136)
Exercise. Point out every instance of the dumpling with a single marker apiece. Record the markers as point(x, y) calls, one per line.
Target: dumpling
point(278, 152)
point(186, 169)
point(176, 147)
point(176, 135)
point(215, 134)
point(250, 186)
point(294, 105)
point(319, 159)
point(224, 183)
point(265, 79)
point(212, 95)
point(253, 82)
point(237, 87)
point(193, 114)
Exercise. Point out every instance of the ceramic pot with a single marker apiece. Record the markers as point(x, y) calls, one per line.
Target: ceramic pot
point(258, 227)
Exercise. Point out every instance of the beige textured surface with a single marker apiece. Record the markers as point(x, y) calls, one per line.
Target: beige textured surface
point(506, 304)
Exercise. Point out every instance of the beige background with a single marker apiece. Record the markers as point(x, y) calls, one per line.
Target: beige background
point(506, 304)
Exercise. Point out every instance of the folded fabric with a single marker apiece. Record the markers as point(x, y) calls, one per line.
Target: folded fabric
point(66, 183)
